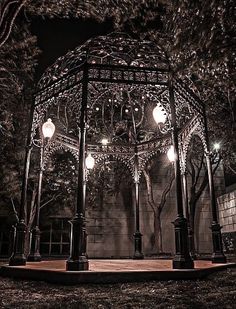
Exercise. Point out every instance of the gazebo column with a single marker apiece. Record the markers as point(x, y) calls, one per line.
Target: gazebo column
point(182, 258)
point(137, 235)
point(188, 216)
point(78, 259)
point(218, 254)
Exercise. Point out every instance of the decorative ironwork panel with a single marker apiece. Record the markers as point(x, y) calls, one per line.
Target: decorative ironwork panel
point(113, 49)
point(63, 109)
point(194, 103)
point(123, 112)
point(59, 87)
point(195, 127)
point(127, 74)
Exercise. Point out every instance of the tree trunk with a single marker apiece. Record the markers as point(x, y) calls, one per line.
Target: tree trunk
point(191, 229)
point(30, 221)
point(158, 232)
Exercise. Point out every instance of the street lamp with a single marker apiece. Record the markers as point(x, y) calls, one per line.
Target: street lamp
point(48, 129)
point(171, 154)
point(89, 162)
point(104, 141)
point(159, 114)
point(217, 146)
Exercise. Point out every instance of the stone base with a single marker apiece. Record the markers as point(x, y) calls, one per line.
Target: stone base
point(138, 256)
point(17, 260)
point(77, 265)
point(182, 263)
point(218, 258)
point(34, 257)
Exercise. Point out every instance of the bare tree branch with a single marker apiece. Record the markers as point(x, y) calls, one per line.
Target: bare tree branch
point(10, 10)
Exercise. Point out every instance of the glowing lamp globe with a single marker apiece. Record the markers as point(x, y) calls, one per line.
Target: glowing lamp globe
point(48, 128)
point(104, 141)
point(159, 114)
point(89, 162)
point(216, 146)
point(171, 154)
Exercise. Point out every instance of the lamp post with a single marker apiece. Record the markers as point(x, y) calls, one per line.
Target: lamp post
point(138, 255)
point(218, 253)
point(48, 130)
point(182, 258)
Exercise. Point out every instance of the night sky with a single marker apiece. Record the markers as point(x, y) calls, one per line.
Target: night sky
point(56, 37)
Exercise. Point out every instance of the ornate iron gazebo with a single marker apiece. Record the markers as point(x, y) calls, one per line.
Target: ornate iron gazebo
point(108, 88)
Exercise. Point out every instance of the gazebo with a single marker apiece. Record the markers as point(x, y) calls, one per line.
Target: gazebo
point(107, 90)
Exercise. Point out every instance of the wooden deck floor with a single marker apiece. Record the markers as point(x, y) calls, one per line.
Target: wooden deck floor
point(110, 271)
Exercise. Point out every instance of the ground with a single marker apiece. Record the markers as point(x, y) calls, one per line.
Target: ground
point(216, 291)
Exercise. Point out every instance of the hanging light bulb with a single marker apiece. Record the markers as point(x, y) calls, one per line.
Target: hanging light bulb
point(159, 114)
point(217, 146)
point(171, 154)
point(89, 162)
point(104, 141)
point(48, 128)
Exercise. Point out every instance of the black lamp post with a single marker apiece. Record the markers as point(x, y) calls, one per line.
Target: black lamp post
point(48, 130)
point(137, 235)
point(218, 253)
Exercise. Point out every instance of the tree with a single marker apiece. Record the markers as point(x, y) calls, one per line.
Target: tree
point(9, 9)
point(197, 176)
point(17, 64)
point(157, 206)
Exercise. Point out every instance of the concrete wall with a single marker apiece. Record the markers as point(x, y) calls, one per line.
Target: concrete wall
point(227, 217)
point(227, 211)
point(110, 228)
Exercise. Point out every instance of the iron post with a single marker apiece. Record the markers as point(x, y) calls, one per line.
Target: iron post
point(182, 258)
point(78, 258)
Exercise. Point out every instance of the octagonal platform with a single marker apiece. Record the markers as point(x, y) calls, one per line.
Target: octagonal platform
point(110, 271)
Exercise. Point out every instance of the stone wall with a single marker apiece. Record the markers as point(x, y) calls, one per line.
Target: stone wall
point(227, 216)
point(110, 228)
point(227, 211)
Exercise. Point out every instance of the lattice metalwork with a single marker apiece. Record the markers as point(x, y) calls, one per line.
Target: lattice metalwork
point(118, 81)
point(116, 49)
point(195, 127)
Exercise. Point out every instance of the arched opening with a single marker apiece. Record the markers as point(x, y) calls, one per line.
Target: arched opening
point(110, 210)
point(157, 206)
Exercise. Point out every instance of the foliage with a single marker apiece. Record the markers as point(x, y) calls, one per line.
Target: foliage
point(60, 179)
point(108, 179)
point(8, 13)
point(17, 63)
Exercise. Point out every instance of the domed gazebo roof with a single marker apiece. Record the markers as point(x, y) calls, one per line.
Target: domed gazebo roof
point(117, 81)
point(113, 49)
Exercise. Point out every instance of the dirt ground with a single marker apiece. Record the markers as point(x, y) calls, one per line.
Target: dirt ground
point(216, 291)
